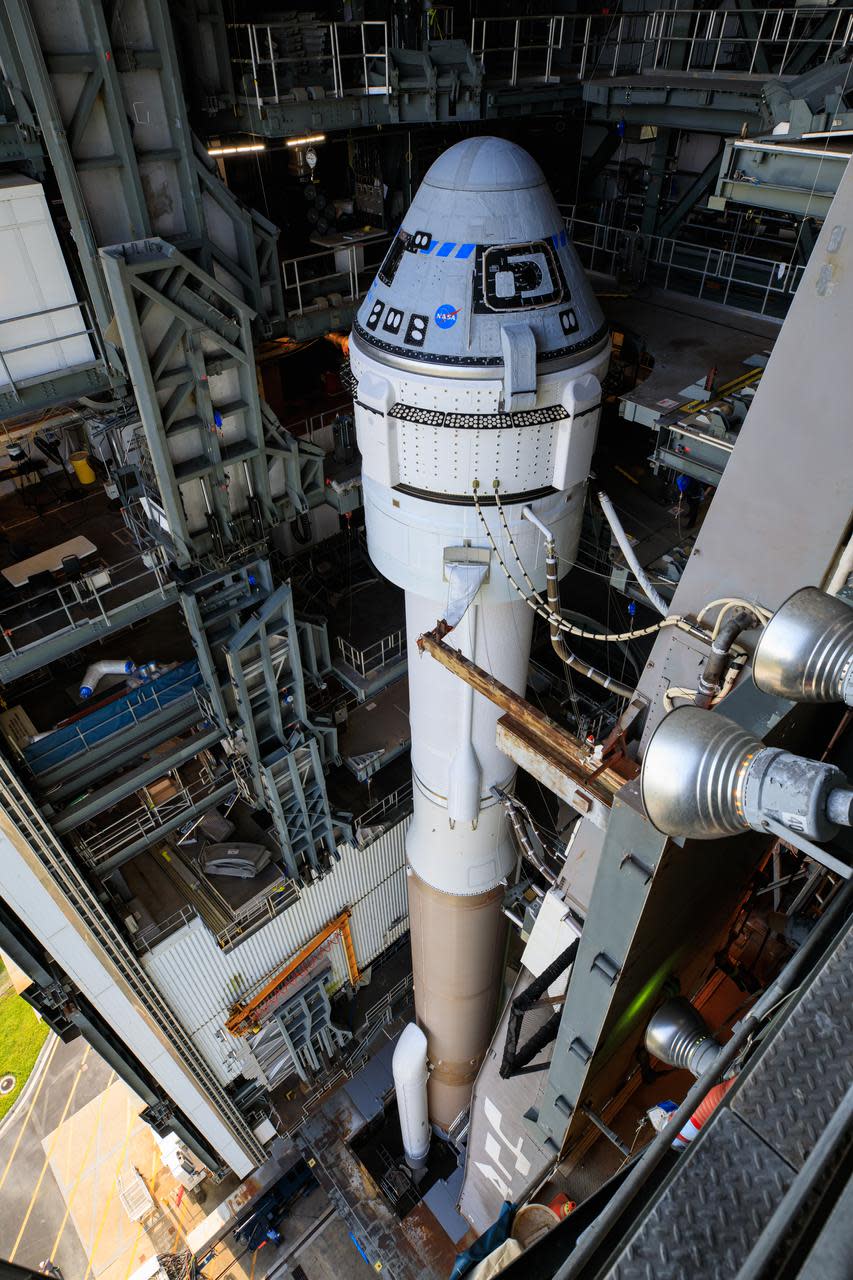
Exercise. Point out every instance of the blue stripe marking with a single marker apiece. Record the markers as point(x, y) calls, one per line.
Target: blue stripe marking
point(564, 237)
point(555, 241)
point(429, 248)
point(465, 250)
point(446, 249)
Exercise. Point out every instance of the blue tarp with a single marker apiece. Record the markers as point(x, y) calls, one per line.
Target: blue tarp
point(116, 716)
point(485, 1244)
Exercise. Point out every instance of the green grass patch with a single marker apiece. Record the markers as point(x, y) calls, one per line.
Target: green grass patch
point(22, 1035)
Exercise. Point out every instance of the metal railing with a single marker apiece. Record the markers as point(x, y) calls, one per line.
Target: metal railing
point(71, 606)
point(518, 48)
point(144, 821)
point(350, 58)
point(378, 1016)
point(87, 330)
point(374, 656)
point(743, 42)
point(282, 895)
point(304, 276)
point(763, 285)
point(395, 803)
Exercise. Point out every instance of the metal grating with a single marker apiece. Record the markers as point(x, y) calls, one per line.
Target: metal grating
point(806, 1068)
point(712, 1213)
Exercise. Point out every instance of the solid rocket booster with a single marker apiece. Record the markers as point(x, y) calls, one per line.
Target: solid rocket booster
point(477, 355)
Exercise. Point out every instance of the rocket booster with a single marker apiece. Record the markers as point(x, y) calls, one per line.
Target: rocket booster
point(477, 355)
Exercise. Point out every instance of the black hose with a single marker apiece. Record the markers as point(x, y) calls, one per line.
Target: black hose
point(718, 659)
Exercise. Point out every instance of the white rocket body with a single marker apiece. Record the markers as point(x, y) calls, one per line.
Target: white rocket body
point(477, 356)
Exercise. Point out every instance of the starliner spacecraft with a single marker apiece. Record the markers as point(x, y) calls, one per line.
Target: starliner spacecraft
point(477, 355)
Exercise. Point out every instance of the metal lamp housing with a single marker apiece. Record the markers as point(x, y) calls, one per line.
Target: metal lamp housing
point(678, 1036)
point(805, 652)
point(704, 777)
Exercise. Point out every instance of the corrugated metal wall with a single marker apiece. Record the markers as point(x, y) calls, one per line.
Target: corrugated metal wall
point(201, 982)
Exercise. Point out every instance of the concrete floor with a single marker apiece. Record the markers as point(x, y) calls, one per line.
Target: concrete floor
point(34, 1223)
point(63, 1149)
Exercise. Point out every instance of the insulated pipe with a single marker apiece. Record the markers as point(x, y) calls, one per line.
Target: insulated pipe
point(630, 555)
point(513, 807)
point(409, 1068)
point(558, 642)
point(711, 678)
point(105, 667)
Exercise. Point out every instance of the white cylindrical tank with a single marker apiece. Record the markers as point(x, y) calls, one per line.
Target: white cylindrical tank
point(477, 356)
point(409, 1068)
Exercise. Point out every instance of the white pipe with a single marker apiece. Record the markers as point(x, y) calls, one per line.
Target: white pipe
point(528, 514)
point(105, 667)
point(628, 552)
point(843, 570)
point(409, 1068)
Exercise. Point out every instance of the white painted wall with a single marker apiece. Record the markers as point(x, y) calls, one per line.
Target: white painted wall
point(201, 983)
point(34, 278)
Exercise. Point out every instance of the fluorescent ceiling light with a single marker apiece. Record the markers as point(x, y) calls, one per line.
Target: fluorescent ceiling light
point(304, 142)
point(237, 150)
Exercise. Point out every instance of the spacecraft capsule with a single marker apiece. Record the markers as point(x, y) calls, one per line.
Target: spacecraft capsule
point(476, 358)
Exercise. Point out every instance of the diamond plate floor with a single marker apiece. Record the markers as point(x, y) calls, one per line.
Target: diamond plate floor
point(713, 1207)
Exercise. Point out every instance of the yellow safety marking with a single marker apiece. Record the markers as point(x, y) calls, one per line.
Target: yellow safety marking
point(49, 1153)
point(130, 1119)
point(82, 1166)
point(139, 1228)
point(51, 1051)
point(692, 406)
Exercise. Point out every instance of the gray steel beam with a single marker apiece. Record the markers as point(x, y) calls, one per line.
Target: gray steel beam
point(105, 797)
point(657, 174)
point(698, 189)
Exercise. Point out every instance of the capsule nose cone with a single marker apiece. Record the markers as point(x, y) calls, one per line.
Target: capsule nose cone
point(485, 164)
point(482, 248)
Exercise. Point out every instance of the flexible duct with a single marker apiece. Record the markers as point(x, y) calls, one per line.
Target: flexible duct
point(409, 1068)
point(558, 642)
point(105, 667)
point(630, 555)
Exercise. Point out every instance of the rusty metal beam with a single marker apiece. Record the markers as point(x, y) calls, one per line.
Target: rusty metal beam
point(536, 742)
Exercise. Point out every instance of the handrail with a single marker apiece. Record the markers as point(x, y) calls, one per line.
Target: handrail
point(357, 274)
point(67, 605)
point(765, 285)
point(373, 656)
point(270, 66)
point(89, 330)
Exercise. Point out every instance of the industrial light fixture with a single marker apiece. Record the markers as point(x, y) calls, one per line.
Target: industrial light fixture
point(705, 777)
point(805, 652)
point(309, 140)
point(240, 150)
point(679, 1036)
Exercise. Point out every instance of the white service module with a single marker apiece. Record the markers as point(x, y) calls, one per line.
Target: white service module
point(37, 298)
point(477, 355)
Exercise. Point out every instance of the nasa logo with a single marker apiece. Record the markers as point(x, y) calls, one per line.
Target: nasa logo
point(446, 316)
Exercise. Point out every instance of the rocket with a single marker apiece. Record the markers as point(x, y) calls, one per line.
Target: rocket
point(477, 356)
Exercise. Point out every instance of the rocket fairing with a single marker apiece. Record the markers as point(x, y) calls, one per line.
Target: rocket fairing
point(477, 355)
